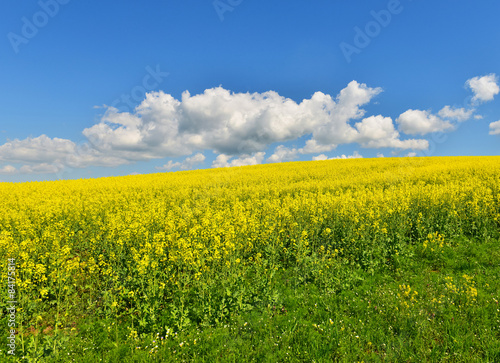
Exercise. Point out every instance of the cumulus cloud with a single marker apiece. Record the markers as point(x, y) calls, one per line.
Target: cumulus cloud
point(39, 155)
point(238, 127)
point(8, 169)
point(334, 115)
point(194, 160)
point(219, 120)
point(229, 123)
point(168, 166)
point(320, 157)
point(187, 164)
point(379, 131)
point(37, 150)
point(50, 155)
point(495, 128)
point(458, 114)
point(43, 168)
point(419, 122)
point(222, 160)
point(151, 131)
point(313, 147)
point(484, 88)
point(371, 132)
point(355, 155)
point(282, 153)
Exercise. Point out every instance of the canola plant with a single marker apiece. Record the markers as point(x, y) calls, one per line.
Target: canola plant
point(197, 247)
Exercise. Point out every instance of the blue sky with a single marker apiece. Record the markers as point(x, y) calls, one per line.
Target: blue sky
point(91, 89)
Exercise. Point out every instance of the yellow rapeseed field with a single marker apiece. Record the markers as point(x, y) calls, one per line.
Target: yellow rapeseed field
point(132, 246)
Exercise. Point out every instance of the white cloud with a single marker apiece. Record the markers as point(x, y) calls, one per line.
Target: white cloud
point(40, 155)
point(227, 123)
point(419, 122)
point(282, 153)
point(320, 157)
point(193, 160)
point(411, 154)
point(238, 127)
point(8, 169)
point(36, 150)
point(233, 123)
point(219, 120)
point(50, 155)
point(371, 132)
point(43, 168)
point(380, 155)
point(458, 114)
point(484, 88)
point(168, 166)
point(379, 131)
point(495, 128)
point(334, 116)
point(188, 163)
point(355, 155)
point(151, 131)
point(222, 161)
point(312, 147)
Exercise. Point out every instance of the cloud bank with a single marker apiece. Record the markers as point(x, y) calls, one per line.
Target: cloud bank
point(238, 128)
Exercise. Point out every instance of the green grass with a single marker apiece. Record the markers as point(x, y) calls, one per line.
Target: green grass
point(362, 316)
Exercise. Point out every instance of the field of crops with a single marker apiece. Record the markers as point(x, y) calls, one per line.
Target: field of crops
point(390, 259)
